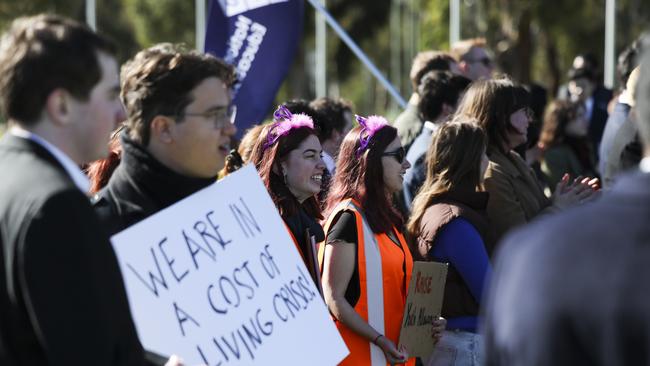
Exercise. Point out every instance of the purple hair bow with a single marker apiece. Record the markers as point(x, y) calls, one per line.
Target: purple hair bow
point(369, 126)
point(285, 121)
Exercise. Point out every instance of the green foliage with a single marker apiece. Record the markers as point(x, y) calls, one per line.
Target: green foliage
point(435, 25)
point(113, 22)
point(11, 9)
point(558, 31)
point(158, 21)
point(533, 40)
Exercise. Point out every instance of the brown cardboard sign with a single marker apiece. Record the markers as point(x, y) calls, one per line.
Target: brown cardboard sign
point(423, 305)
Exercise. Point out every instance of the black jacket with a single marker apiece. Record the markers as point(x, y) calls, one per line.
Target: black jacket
point(140, 187)
point(62, 299)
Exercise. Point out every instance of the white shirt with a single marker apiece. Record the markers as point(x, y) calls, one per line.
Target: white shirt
point(330, 164)
point(78, 177)
point(430, 126)
point(644, 165)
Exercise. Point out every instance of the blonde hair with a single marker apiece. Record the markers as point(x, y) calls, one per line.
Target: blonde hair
point(463, 47)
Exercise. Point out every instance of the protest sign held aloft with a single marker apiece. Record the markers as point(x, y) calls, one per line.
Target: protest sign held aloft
point(260, 39)
point(216, 279)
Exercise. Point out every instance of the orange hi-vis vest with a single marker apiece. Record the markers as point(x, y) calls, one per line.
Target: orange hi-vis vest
point(384, 274)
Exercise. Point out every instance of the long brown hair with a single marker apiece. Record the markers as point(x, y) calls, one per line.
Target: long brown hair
point(363, 180)
point(453, 162)
point(266, 158)
point(558, 115)
point(492, 102)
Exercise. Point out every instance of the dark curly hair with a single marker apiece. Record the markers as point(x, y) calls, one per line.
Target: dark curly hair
point(159, 81)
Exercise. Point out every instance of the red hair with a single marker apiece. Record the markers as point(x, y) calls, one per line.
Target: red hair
point(363, 180)
point(266, 159)
point(100, 171)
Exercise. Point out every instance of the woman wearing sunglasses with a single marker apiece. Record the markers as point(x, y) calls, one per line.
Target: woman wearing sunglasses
point(449, 225)
point(365, 261)
point(287, 156)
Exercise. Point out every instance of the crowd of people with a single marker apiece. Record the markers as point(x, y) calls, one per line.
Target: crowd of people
point(518, 213)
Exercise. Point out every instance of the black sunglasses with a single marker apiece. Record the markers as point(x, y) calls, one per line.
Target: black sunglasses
point(399, 154)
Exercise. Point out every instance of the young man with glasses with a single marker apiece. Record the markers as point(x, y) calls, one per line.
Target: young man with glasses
point(179, 124)
point(473, 59)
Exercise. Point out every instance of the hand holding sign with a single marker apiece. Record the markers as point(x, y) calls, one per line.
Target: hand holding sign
point(438, 327)
point(423, 305)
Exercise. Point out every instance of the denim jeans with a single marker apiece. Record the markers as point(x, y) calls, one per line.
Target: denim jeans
point(457, 348)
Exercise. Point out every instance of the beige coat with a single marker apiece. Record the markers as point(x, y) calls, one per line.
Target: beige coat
point(516, 196)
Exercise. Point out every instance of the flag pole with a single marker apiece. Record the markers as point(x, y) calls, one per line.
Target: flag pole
point(358, 52)
point(321, 55)
point(610, 43)
point(91, 15)
point(199, 25)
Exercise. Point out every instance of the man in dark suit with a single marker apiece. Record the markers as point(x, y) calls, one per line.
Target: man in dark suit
point(571, 289)
point(62, 300)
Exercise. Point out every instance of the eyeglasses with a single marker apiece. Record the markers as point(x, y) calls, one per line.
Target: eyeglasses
point(222, 116)
point(486, 61)
point(398, 154)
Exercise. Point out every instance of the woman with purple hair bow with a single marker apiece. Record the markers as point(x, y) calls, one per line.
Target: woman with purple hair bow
point(287, 156)
point(365, 261)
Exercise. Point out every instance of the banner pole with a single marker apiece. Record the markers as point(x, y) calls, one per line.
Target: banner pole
point(199, 25)
point(321, 55)
point(358, 52)
point(610, 43)
point(454, 22)
point(91, 15)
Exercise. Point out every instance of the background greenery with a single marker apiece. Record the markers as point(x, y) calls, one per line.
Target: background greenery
point(533, 40)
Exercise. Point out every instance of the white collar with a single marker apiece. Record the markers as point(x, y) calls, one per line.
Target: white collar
point(644, 165)
point(625, 98)
point(78, 177)
point(430, 126)
point(330, 164)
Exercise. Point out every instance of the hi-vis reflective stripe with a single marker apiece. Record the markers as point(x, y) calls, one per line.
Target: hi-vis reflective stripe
point(374, 283)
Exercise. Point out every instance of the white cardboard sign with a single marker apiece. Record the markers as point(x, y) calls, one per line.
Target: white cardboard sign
point(216, 279)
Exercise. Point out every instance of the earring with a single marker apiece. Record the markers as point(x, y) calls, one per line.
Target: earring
point(284, 174)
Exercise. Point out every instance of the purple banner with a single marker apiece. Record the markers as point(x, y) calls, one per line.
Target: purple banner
point(260, 38)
